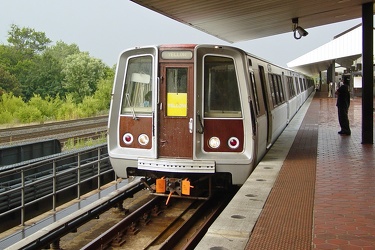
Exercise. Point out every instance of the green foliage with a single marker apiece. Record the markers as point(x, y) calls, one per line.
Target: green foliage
point(27, 40)
point(6, 117)
point(47, 106)
point(28, 114)
point(82, 74)
point(68, 110)
point(60, 51)
point(10, 103)
point(8, 82)
point(44, 78)
point(103, 93)
point(40, 82)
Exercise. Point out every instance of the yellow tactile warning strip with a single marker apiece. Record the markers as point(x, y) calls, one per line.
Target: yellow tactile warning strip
point(286, 219)
point(324, 196)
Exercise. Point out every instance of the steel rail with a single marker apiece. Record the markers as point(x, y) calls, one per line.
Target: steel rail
point(116, 232)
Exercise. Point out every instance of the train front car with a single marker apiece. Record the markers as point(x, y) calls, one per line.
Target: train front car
point(181, 115)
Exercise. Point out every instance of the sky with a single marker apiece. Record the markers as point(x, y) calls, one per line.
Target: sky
point(104, 28)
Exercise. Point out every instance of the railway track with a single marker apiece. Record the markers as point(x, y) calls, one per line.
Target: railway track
point(87, 128)
point(150, 224)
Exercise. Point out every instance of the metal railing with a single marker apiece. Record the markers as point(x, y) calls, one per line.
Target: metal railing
point(23, 186)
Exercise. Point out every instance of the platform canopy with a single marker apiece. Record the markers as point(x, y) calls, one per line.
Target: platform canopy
point(344, 49)
point(241, 20)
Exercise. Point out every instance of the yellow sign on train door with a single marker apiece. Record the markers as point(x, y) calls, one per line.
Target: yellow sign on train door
point(177, 104)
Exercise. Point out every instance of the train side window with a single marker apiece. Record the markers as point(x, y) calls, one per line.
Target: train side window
point(272, 88)
point(280, 88)
point(255, 92)
point(292, 91)
point(297, 85)
point(301, 85)
point(221, 94)
point(138, 86)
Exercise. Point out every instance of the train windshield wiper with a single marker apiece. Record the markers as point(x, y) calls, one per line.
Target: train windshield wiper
point(132, 107)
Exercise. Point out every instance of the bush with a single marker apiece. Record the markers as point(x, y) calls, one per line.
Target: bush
point(6, 117)
point(48, 106)
point(29, 114)
point(89, 106)
point(10, 103)
point(68, 110)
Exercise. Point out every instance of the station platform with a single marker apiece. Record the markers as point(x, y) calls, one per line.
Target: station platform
point(315, 189)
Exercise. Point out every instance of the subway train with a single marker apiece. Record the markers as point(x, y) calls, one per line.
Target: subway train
point(195, 116)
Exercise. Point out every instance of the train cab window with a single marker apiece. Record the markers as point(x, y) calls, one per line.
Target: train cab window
point(176, 91)
point(221, 94)
point(138, 86)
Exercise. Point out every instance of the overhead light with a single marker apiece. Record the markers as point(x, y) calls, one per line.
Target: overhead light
point(296, 28)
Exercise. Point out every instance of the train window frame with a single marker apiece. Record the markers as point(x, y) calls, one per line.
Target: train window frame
point(212, 93)
point(138, 87)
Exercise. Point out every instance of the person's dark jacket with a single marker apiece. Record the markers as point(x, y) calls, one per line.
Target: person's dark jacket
point(343, 97)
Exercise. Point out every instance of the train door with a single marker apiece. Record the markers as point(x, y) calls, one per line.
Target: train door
point(176, 110)
point(266, 104)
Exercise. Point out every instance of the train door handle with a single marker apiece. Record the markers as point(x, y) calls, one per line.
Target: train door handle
point(191, 125)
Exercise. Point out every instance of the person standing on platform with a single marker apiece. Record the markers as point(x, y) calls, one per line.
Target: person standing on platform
point(343, 102)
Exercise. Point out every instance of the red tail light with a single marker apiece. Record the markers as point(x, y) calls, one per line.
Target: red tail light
point(233, 142)
point(128, 138)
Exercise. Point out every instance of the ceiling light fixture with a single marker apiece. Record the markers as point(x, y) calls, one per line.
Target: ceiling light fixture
point(296, 28)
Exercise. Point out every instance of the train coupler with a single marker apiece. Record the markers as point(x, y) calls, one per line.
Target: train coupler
point(173, 186)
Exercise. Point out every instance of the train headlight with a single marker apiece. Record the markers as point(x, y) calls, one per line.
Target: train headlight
point(127, 138)
point(233, 142)
point(143, 139)
point(214, 142)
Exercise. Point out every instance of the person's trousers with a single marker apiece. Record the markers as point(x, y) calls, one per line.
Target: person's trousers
point(343, 119)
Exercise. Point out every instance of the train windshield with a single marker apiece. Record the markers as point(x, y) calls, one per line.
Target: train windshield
point(137, 94)
point(221, 95)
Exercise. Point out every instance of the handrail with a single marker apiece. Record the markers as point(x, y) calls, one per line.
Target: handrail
point(47, 176)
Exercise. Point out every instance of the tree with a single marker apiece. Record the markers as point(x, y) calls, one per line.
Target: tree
point(82, 74)
point(9, 83)
point(27, 40)
point(44, 77)
point(60, 51)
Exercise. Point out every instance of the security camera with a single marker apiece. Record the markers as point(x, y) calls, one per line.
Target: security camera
point(302, 31)
point(296, 28)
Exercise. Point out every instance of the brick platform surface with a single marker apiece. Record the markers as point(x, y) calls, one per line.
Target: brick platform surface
point(324, 196)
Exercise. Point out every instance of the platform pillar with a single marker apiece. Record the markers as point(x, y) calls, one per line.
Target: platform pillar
point(367, 74)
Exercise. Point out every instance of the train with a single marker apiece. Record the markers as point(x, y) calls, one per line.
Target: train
point(195, 116)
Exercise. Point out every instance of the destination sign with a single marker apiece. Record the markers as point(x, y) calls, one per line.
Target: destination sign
point(177, 54)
